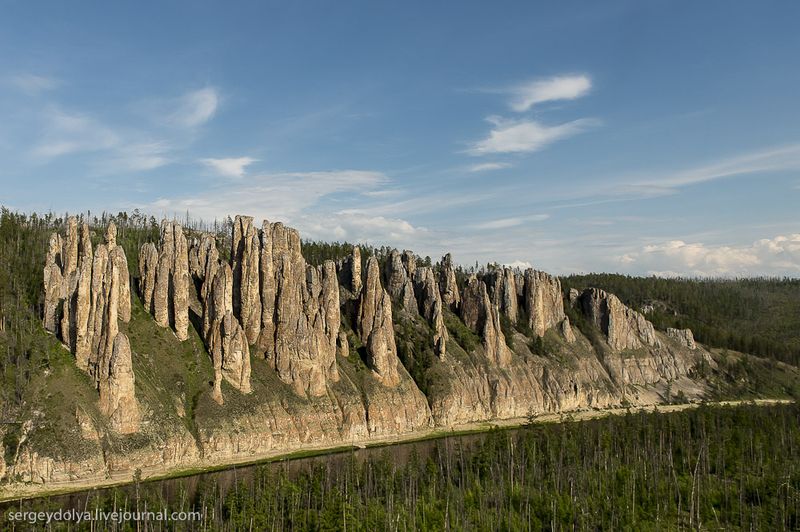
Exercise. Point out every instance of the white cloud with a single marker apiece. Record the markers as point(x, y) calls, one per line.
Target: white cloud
point(772, 159)
point(770, 256)
point(32, 83)
point(229, 167)
point(487, 167)
point(547, 90)
point(525, 136)
point(65, 133)
point(282, 196)
point(504, 223)
point(519, 264)
point(196, 108)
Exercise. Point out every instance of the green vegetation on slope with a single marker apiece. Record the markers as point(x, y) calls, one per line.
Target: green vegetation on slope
point(757, 316)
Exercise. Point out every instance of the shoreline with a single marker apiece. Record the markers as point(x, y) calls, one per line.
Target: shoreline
point(155, 474)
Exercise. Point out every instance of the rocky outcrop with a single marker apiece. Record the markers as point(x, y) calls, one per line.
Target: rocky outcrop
point(299, 308)
point(117, 388)
point(96, 295)
point(480, 315)
point(349, 271)
point(624, 327)
point(544, 303)
point(245, 257)
point(683, 336)
point(376, 328)
point(399, 279)
point(224, 336)
point(566, 331)
point(164, 283)
point(448, 286)
point(502, 288)
point(431, 307)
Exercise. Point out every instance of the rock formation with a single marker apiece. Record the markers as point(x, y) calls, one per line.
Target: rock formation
point(502, 287)
point(349, 271)
point(480, 315)
point(164, 283)
point(543, 301)
point(566, 331)
point(399, 280)
point(224, 336)
point(298, 306)
point(376, 328)
point(93, 290)
point(245, 257)
point(431, 307)
point(624, 327)
point(683, 336)
point(448, 285)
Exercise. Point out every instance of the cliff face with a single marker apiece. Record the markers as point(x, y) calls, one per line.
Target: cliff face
point(92, 291)
point(280, 354)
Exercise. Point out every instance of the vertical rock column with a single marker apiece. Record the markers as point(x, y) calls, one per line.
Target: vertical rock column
point(93, 291)
point(224, 335)
point(431, 307)
point(448, 285)
point(544, 302)
point(300, 313)
point(245, 258)
point(480, 315)
point(375, 327)
point(164, 282)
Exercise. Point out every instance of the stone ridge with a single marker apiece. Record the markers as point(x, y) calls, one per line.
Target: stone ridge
point(86, 294)
point(164, 279)
point(324, 340)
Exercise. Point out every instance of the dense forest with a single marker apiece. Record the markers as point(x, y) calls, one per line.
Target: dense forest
point(721, 468)
point(760, 316)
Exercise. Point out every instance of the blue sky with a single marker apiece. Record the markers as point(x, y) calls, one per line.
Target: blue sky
point(632, 136)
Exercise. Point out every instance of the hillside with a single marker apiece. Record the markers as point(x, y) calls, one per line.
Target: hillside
point(132, 346)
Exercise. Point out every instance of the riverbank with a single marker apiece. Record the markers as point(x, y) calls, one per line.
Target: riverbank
point(30, 491)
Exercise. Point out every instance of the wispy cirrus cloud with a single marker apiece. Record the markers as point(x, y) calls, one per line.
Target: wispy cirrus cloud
point(488, 167)
point(195, 108)
point(526, 95)
point(525, 136)
point(32, 83)
point(514, 221)
point(229, 167)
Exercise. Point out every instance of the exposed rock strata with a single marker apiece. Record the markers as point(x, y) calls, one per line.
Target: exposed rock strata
point(399, 282)
point(376, 327)
point(93, 290)
point(164, 283)
point(624, 327)
point(483, 317)
point(224, 336)
point(431, 307)
point(543, 301)
point(448, 284)
point(683, 336)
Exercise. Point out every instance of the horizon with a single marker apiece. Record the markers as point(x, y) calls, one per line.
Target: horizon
point(621, 138)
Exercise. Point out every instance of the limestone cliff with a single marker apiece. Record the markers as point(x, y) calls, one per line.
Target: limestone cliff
point(164, 279)
point(376, 328)
point(544, 302)
point(291, 354)
point(483, 317)
point(93, 291)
